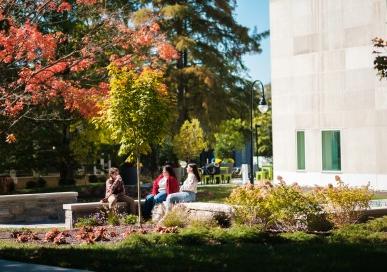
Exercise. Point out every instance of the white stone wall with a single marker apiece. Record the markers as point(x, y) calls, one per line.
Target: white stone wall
point(323, 78)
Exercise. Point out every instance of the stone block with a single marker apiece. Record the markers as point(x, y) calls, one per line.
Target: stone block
point(16, 209)
point(305, 44)
point(4, 212)
point(75, 210)
point(359, 57)
point(197, 211)
point(36, 219)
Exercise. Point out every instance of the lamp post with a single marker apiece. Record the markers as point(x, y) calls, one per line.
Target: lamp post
point(256, 139)
point(262, 107)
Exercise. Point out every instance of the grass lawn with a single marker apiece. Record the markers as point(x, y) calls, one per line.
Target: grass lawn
point(360, 247)
point(380, 195)
point(214, 193)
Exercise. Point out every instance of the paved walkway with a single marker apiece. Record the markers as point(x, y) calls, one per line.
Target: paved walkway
point(10, 266)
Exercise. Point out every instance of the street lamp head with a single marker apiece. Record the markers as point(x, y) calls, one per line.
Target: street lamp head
point(262, 105)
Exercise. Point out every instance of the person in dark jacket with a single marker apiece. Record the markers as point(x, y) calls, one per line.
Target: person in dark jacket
point(165, 184)
point(115, 191)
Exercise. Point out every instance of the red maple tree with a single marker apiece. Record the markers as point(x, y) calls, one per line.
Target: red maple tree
point(41, 63)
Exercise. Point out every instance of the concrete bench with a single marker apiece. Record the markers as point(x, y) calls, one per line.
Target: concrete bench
point(74, 211)
point(197, 210)
point(34, 208)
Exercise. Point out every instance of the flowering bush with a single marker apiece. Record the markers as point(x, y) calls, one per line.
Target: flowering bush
point(250, 204)
point(343, 204)
point(288, 208)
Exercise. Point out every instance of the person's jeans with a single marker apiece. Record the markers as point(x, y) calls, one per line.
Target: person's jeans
point(179, 197)
point(150, 202)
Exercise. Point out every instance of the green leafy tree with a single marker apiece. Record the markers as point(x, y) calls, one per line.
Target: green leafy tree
point(190, 141)
point(264, 147)
point(136, 112)
point(207, 76)
point(231, 137)
point(87, 144)
point(264, 137)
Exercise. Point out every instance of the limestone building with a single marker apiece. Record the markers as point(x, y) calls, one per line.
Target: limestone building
point(329, 106)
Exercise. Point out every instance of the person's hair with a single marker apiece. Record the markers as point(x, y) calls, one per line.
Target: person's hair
point(113, 170)
point(169, 169)
point(195, 170)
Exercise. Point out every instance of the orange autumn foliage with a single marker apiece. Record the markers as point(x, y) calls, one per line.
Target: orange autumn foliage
point(43, 73)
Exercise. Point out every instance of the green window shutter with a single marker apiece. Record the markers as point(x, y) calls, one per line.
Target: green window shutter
point(331, 158)
point(300, 150)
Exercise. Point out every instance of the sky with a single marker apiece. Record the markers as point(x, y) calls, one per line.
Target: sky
point(251, 13)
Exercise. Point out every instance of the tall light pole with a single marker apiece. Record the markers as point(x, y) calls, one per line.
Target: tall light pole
point(262, 107)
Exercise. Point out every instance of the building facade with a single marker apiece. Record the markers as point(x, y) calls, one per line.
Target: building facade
point(329, 106)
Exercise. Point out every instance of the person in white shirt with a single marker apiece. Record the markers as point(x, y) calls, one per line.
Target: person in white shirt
point(188, 190)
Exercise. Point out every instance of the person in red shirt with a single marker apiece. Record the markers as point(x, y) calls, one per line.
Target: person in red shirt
point(165, 184)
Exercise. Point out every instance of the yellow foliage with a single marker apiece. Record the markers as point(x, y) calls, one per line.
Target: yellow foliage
point(190, 141)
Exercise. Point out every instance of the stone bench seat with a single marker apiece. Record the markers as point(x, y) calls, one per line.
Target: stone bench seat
point(73, 211)
point(196, 210)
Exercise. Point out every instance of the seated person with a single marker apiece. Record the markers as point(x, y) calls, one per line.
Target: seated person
point(212, 169)
point(115, 191)
point(188, 190)
point(164, 184)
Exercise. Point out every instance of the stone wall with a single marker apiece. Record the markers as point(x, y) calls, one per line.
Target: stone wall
point(51, 181)
point(34, 208)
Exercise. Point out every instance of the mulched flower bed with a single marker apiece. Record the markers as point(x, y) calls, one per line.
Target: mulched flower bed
point(88, 235)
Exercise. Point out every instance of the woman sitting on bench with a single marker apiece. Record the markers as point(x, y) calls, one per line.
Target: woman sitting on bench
point(163, 185)
point(188, 190)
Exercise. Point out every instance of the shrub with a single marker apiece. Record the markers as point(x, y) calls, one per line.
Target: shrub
point(175, 218)
point(66, 181)
point(250, 205)
point(282, 207)
point(31, 184)
point(41, 182)
point(373, 231)
point(319, 222)
point(113, 218)
point(343, 204)
point(202, 223)
point(93, 179)
point(101, 179)
point(290, 208)
point(129, 219)
point(89, 221)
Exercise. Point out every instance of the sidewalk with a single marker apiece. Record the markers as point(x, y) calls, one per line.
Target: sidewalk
point(10, 266)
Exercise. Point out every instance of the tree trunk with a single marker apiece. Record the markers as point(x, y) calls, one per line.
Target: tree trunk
point(67, 165)
point(182, 62)
point(138, 189)
point(181, 92)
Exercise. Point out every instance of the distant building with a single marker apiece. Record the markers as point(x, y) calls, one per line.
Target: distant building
point(329, 107)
